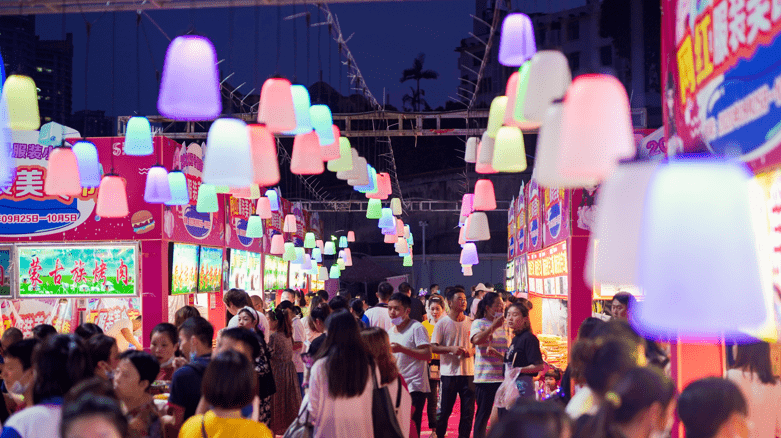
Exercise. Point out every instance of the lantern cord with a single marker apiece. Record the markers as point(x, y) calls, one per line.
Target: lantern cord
point(113, 60)
point(319, 51)
point(279, 35)
point(151, 55)
point(295, 47)
point(255, 70)
point(486, 55)
point(308, 24)
point(231, 23)
point(138, 64)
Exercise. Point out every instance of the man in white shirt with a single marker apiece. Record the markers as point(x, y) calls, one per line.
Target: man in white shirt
point(378, 315)
point(411, 346)
point(288, 300)
point(451, 341)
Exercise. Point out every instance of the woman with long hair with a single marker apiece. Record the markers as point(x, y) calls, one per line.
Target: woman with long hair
point(378, 345)
point(753, 373)
point(640, 405)
point(287, 399)
point(248, 319)
point(488, 336)
point(340, 383)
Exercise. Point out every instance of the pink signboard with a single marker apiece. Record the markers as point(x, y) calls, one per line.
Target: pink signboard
point(556, 216)
point(534, 216)
point(521, 234)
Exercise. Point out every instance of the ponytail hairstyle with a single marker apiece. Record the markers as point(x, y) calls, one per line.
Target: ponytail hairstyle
point(284, 326)
point(638, 390)
point(484, 304)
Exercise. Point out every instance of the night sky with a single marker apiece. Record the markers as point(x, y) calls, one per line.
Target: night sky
point(387, 38)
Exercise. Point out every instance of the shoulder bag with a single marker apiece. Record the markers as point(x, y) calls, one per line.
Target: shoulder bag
point(386, 424)
point(302, 426)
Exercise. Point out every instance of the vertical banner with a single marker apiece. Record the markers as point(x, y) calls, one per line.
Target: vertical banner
point(534, 214)
point(521, 277)
point(521, 235)
point(556, 215)
point(511, 236)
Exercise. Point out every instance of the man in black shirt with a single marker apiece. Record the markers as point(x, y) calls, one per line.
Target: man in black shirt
point(416, 311)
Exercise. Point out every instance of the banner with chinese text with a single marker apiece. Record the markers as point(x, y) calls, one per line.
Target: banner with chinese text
point(511, 246)
point(534, 216)
point(77, 270)
point(521, 235)
point(548, 271)
point(556, 212)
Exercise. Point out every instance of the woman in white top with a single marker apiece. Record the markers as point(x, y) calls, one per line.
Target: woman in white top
point(340, 383)
point(753, 374)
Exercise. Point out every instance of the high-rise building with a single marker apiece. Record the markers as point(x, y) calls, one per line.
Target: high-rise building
point(48, 62)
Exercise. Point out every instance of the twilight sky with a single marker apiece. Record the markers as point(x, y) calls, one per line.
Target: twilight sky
point(387, 38)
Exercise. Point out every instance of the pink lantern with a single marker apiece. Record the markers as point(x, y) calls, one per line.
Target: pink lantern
point(466, 270)
point(62, 174)
point(289, 225)
point(462, 233)
point(265, 164)
point(512, 93)
point(467, 204)
point(276, 109)
point(384, 182)
point(277, 245)
point(264, 208)
point(351, 236)
point(484, 198)
point(402, 247)
point(348, 257)
point(390, 238)
point(112, 197)
point(306, 159)
point(331, 151)
point(399, 228)
point(596, 128)
point(469, 254)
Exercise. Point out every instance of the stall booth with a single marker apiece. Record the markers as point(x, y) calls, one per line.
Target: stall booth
point(63, 265)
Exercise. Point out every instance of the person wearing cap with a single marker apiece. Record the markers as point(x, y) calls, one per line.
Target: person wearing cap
point(480, 290)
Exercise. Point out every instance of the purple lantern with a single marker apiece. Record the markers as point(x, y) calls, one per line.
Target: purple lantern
point(157, 189)
point(467, 203)
point(190, 89)
point(517, 43)
point(469, 254)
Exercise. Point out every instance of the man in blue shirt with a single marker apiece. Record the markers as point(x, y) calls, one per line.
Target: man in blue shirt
point(195, 342)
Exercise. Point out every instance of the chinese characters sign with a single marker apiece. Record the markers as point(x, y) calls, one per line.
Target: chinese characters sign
point(78, 270)
point(548, 271)
point(722, 76)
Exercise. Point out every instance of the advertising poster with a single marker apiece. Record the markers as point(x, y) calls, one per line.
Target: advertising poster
point(298, 277)
point(245, 271)
point(521, 277)
point(27, 313)
point(182, 223)
point(584, 204)
point(6, 255)
point(209, 270)
point(521, 236)
point(275, 273)
point(770, 185)
point(548, 271)
point(239, 211)
point(721, 77)
point(509, 277)
point(511, 246)
point(77, 270)
point(106, 312)
point(184, 269)
point(556, 214)
point(27, 213)
point(534, 216)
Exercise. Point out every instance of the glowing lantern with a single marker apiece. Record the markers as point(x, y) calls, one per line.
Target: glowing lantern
point(254, 227)
point(265, 164)
point(62, 174)
point(138, 137)
point(207, 199)
point(157, 189)
point(89, 166)
point(276, 109)
point(112, 197)
point(228, 156)
point(517, 40)
point(190, 88)
point(484, 199)
point(305, 159)
point(277, 244)
point(509, 150)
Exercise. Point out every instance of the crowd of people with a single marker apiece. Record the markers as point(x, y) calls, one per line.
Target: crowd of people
point(334, 367)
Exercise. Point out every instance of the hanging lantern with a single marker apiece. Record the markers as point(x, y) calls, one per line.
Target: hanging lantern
point(157, 189)
point(273, 199)
point(317, 255)
point(301, 104)
point(477, 227)
point(358, 163)
point(263, 208)
point(389, 231)
point(335, 271)
point(467, 205)
point(371, 185)
point(343, 242)
point(470, 154)
point(361, 175)
point(228, 158)
point(407, 261)
point(251, 192)
point(112, 197)
point(467, 271)
point(340, 263)
point(390, 238)
point(177, 186)
point(682, 272)
point(348, 257)
point(462, 233)
point(517, 43)
point(402, 247)
point(320, 244)
point(323, 274)
point(222, 190)
point(89, 166)
point(289, 226)
point(380, 188)
point(406, 231)
point(345, 171)
point(395, 206)
point(469, 254)
point(518, 118)
point(509, 150)
point(485, 155)
point(322, 122)
point(20, 96)
point(351, 236)
point(410, 240)
point(549, 78)
point(254, 227)
point(387, 220)
point(276, 109)
point(330, 248)
point(345, 160)
point(546, 163)
point(305, 159)
point(512, 95)
point(289, 253)
point(333, 150)
point(277, 244)
point(62, 173)
point(374, 209)
point(265, 164)
point(190, 88)
point(306, 265)
point(484, 199)
point(615, 240)
point(496, 115)
point(207, 199)
point(138, 137)
point(314, 270)
point(299, 256)
point(399, 227)
point(310, 240)
point(596, 129)
point(384, 183)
